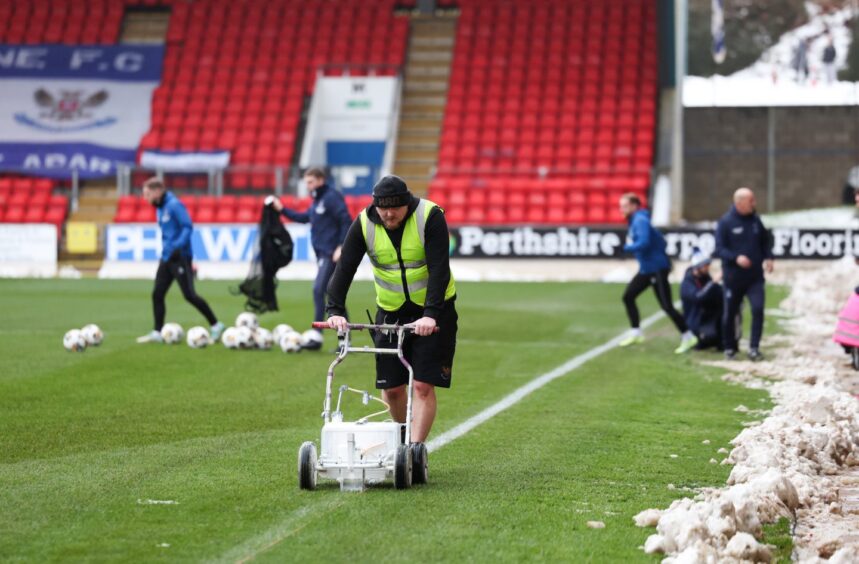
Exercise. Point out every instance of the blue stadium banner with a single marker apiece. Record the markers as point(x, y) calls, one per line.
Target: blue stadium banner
point(74, 108)
point(213, 243)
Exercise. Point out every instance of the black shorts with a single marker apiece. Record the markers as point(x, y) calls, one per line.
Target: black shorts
point(431, 357)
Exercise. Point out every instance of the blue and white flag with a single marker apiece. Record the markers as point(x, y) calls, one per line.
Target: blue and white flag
point(66, 108)
point(717, 28)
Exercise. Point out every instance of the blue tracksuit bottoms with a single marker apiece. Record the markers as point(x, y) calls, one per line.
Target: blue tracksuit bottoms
point(734, 294)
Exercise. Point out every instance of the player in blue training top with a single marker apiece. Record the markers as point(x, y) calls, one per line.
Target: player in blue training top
point(176, 255)
point(648, 246)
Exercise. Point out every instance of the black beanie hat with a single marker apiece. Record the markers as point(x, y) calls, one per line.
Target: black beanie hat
point(391, 192)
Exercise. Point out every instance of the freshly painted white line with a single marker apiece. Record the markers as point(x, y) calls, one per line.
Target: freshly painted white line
point(251, 548)
point(517, 395)
point(289, 525)
point(157, 502)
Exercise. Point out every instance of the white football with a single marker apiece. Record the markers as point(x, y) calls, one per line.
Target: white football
point(93, 335)
point(230, 338)
point(263, 339)
point(247, 319)
point(245, 337)
point(74, 341)
point(198, 337)
point(280, 330)
point(291, 342)
point(311, 340)
point(172, 333)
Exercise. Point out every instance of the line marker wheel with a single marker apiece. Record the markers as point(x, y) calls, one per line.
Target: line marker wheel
point(403, 468)
point(307, 466)
point(420, 462)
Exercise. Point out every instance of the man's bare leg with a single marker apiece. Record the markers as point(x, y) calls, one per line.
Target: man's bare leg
point(423, 407)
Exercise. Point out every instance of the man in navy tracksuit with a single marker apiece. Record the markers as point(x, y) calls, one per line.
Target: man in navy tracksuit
point(648, 246)
point(703, 301)
point(329, 222)
point(745, 248)
point(176, 255)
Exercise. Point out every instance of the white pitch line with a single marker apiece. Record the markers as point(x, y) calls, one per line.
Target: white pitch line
point(520, 393)
point(250, 549)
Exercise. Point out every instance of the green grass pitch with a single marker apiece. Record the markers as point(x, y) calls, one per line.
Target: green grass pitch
point(87, 440)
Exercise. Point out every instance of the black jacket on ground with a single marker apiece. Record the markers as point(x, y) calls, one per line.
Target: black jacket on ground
point(437, 249)
point(742, 235)
point(274, 251)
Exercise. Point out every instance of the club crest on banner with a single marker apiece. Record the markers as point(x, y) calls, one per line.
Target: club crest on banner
point(72, 107)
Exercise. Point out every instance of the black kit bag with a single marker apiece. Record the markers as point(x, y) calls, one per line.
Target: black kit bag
point(272, 251)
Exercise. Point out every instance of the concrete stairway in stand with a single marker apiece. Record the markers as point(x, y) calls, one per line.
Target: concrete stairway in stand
point(96, 204)
point(428, 62)
point(147, 26)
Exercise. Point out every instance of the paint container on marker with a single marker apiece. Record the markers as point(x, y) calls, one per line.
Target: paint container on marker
point(353, 481)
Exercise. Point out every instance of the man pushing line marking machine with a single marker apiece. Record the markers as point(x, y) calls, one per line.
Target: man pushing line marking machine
point(361, 452)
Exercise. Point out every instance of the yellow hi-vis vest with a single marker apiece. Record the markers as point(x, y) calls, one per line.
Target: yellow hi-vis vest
point(401, 276)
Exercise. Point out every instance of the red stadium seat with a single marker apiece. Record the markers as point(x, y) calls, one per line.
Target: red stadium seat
point(125, 215)
point(34, 214)
point(205, 215)
point(248, 215)
point(145, 215)
point(14, 214)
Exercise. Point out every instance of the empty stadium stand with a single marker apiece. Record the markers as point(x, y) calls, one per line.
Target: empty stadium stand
point(31, 200)
point(61, 21)
point(236, 74)
point(551, 111)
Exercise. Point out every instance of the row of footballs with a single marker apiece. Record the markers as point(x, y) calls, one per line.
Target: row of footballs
point(247, 334)
point(77, 340)
point(243, 337)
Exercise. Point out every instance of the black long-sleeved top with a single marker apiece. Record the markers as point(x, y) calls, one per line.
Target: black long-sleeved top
point(328, 217)
point(354, 247)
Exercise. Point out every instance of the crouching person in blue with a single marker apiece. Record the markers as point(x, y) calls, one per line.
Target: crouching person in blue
point(176, 255)
point(703, 301)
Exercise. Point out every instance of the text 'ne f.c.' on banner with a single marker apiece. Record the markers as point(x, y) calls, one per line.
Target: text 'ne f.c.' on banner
point(74, 108)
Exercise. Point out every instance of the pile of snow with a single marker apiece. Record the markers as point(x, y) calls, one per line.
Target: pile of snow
point(787, 464)
point(821, 294)
point(776, 62)
point(771, 80)
point(842, 217)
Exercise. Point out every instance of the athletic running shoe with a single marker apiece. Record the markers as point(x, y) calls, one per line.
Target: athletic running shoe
point(730, 354)
point(686, 345)
point(755, 355)
point(632, 340)
point(217, 329)
point(151, 337)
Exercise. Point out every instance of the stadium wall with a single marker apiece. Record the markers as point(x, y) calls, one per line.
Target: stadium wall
point(725, 148)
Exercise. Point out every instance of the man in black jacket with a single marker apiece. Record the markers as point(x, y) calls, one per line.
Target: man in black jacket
point(329, 220)
point(407, 241)
point(744, 245)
